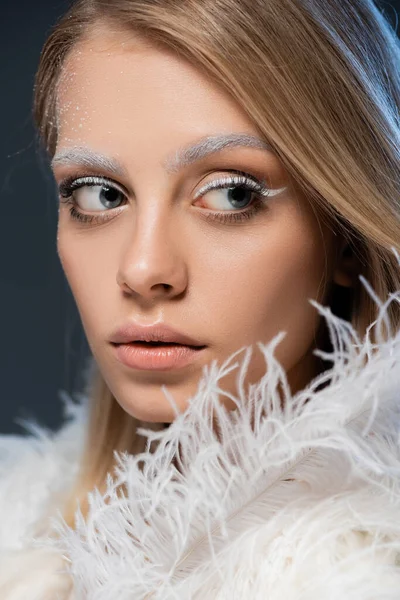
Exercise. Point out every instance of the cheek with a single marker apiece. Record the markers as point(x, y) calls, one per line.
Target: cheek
point(265, 288)
point(275, 271)
point(90, 272)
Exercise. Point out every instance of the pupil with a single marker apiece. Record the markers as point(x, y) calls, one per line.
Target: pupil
point(239, 196)
point(110, 196)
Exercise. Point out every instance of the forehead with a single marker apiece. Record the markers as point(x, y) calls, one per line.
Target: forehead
point(115, 88)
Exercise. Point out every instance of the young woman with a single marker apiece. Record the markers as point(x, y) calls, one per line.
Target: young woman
point(228, 175)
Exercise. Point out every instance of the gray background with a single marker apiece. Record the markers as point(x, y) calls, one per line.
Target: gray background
point(43, 348)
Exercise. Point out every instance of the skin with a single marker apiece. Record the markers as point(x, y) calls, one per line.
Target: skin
point(230, 285)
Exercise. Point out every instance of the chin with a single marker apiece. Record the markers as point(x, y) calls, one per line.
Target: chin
point(158, 411)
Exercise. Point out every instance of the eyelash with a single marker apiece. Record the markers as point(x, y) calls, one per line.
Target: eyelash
point(240, 179)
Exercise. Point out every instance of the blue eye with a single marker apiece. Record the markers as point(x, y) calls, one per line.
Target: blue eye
point(239, 196)
point(232, 192)
point(109, 196)
point(90, 190)
point(93, 194)
point(239, 191)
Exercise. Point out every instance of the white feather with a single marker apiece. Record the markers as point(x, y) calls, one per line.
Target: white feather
point(253, 506)
point(293, 501)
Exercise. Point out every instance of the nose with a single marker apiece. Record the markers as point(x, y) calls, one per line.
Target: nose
point(152, 263)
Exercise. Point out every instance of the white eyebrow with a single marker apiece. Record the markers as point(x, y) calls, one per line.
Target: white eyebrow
point(81, 155)
point(211, 145)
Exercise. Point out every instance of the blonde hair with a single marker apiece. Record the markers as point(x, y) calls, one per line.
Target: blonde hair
point(320, 80)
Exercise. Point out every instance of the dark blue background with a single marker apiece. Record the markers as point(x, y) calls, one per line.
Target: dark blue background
point(42, 343)
point(43, 348)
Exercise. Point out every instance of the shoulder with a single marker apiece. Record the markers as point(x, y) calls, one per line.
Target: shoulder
point(35, 468)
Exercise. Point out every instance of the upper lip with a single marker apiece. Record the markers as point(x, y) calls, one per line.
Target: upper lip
point(133, 332)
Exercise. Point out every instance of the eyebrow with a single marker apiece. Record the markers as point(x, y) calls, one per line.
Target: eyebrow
point(211, 145)
point(183, 157)
point(85, 157)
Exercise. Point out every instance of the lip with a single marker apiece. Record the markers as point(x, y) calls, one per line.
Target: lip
point(159, 332)
point(156, 358)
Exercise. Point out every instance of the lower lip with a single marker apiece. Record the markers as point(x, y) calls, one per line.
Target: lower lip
point(159, 358)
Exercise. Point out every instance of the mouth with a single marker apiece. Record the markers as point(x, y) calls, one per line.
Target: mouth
point(161, 344)
point(156, 356)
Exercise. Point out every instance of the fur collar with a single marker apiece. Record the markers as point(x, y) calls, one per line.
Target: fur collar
point(304, 505)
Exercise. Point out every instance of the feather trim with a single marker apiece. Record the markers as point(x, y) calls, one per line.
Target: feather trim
point(315, 481)
point(30, 468)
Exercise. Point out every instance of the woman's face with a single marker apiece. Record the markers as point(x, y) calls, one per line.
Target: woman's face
point(227, 267)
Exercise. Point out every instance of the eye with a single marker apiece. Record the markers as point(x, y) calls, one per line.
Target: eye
point(92, 193)
point(233, 192)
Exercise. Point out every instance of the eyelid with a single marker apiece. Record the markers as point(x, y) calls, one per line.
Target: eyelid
point(235, 178)
point(73, 182)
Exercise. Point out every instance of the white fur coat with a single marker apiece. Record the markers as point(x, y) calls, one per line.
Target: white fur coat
point(295, 504)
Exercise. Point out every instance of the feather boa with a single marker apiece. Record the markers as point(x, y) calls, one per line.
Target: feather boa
point(299, 500)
